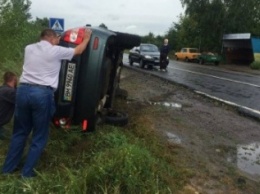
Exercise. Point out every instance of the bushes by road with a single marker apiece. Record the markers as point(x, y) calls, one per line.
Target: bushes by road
point(255, 65)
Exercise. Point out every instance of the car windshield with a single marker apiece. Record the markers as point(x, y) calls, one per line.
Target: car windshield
point(149, 48)
point(194, 51)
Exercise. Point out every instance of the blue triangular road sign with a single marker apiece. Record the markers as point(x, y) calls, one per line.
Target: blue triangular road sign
point(57, 26)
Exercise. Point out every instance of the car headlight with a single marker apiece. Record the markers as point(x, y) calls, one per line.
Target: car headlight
point(147, 57)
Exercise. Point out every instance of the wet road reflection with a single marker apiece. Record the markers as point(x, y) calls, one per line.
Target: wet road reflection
point(238, 89)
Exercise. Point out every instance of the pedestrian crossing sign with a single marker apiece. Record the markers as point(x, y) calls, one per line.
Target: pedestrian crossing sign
point(56, 24)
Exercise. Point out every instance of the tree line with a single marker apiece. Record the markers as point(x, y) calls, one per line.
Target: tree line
point(17, 29)
point(204, 23)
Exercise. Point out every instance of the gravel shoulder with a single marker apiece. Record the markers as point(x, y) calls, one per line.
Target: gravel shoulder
point(218, 144)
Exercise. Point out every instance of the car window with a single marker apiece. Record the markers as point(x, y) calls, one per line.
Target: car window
point(149, 48)
point(184, 50)
point(194, 50)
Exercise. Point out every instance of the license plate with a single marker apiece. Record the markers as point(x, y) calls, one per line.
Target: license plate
point(68, 88)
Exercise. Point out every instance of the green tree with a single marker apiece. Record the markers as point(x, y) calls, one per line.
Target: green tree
point(243, 16)
point(42, 23)
point(172, 35)
point(16, 30)
point(150, 38)
point(213, 18)
point(188, 32)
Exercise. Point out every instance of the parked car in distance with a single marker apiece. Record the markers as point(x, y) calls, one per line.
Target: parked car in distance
point(209, 57)
point(187, 54)
point(145, 54)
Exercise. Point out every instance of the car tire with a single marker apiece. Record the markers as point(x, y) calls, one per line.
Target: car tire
point(116, 118)
point(201, 61)
point(186, 59)
point(127, 41)
point(142, 65)
point(176, 58)
point(216, 63)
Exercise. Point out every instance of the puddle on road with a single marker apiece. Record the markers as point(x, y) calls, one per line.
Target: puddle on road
point(172, 138)
point(167, 104)
point(247, 159)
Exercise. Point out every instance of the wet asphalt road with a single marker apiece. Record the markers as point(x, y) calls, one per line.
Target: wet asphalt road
point(235, 88)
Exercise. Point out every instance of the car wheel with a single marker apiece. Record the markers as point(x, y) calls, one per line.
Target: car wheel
point(186, 59)
point(216, 63)
point(127, 41)
point(176, 58)
point(201, 61)
point(142, 65)
point(116, 118)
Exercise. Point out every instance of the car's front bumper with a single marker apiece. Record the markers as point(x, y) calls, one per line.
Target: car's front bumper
point(153, 62)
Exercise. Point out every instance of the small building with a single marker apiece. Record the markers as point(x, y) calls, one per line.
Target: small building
point(241, 48)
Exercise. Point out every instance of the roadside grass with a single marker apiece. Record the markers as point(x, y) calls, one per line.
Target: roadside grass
point(257, 57)
point(110, 160)
point(256, 63)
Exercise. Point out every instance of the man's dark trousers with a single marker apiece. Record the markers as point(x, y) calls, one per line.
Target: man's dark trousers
point(34, 108)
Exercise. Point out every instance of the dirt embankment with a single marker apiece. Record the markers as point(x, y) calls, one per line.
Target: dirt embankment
point(220, 146)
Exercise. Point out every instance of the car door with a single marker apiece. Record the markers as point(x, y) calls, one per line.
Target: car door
point(136, 54)
point(182, 53)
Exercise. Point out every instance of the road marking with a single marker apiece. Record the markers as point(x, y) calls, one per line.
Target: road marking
point(216, 77)
point(230, 103)
point(221, 100)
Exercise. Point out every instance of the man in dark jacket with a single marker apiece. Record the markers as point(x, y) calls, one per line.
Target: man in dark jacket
point(7, 100)
point(164, 51)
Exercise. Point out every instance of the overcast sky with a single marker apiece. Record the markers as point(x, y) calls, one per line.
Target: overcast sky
point(131, 16)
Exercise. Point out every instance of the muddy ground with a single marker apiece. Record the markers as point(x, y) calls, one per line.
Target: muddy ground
point(220, 146)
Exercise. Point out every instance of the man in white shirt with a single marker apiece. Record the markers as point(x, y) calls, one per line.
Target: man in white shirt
point(34, 99)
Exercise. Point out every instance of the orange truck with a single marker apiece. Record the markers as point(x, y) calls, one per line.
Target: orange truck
point(187, 54)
